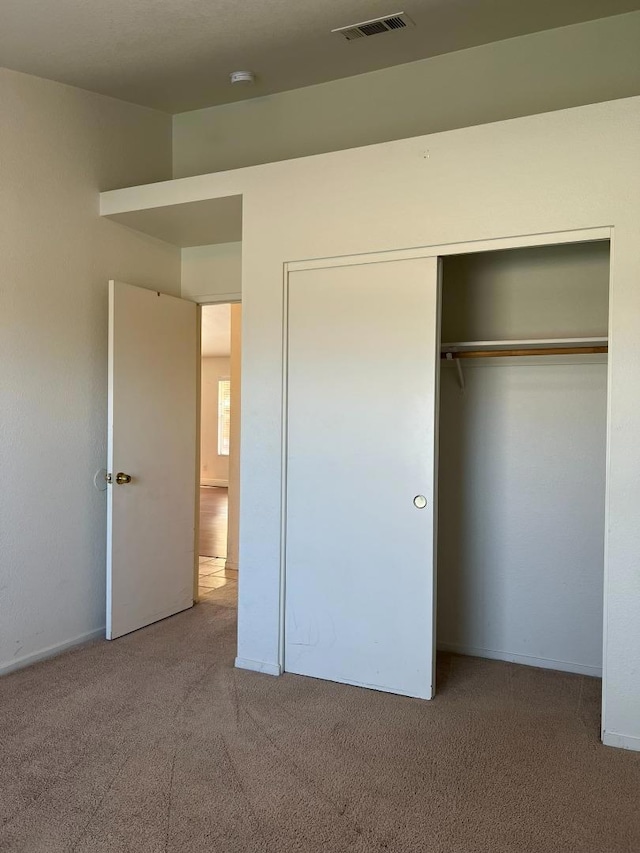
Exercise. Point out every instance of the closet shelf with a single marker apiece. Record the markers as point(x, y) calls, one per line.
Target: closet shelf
point(539, 346)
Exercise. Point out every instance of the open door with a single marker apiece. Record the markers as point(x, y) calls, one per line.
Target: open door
point(152, 455)
point(363, 368)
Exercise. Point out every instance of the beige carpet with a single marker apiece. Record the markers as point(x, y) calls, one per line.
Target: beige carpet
point(155, 743)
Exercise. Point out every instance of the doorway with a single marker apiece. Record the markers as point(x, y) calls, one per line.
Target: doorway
point(217, 573)
point(153, 510)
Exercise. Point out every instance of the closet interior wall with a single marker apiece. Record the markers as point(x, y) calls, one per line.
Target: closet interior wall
point(522, 460)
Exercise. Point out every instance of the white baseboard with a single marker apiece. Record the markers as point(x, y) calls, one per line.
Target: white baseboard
point(525, 660)
point(50, 651)
point(258, 666)
point(621, 741)
point(222, 483)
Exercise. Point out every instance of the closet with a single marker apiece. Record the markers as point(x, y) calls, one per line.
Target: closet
point(521, 480)
point(445, 462)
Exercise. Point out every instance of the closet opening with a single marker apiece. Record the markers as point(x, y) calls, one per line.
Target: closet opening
point(521, 478)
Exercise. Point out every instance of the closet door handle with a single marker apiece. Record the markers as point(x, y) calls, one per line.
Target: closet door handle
point(420, 501)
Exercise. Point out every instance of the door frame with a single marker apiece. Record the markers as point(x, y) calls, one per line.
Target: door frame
point(202, 302)
point(551, 238)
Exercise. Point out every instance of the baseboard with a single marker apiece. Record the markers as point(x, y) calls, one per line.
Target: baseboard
point(621, 741)
point(50, 651)
point(258, 666)
point(525, 660)
point(221, 483)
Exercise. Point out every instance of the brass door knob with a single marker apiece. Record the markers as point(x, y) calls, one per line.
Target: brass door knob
point(121, 478)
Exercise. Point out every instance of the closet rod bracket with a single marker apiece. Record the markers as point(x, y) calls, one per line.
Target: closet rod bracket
point(450, 357)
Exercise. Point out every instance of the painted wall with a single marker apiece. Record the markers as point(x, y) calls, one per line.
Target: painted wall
point(59, 147)
point(551, 70)
point(522, 460)
point(544, 292)
point(566, 170)
point(212, 273)
point(521, 511)
point(214, 469)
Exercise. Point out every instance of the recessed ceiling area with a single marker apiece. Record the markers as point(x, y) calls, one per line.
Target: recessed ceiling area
point(194, 223)
point(176, 55)
point(216, 331)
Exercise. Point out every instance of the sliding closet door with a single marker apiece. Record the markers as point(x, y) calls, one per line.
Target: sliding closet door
point(363, 362)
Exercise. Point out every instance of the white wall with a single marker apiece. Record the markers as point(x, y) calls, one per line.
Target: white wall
point(212, 273)
point(551, 70)
point(521, 511)
point(214, 469)
point(544, 292)
point(522, 460)
point(59, 147)
point(560, 171)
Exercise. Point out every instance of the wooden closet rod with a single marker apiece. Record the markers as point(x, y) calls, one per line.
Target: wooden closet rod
point(504, 353)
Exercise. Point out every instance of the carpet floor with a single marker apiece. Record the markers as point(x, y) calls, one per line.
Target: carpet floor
point(156, 744)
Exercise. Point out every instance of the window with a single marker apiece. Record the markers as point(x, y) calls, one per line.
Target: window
point(224, 409)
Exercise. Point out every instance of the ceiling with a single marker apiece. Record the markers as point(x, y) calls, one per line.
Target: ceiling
point(216, 331)
point(176, 55)
point(193, 223)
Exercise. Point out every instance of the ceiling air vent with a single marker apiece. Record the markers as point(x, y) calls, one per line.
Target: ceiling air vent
point(378, 25)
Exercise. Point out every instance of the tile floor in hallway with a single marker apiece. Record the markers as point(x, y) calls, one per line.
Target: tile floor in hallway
point(213, 577)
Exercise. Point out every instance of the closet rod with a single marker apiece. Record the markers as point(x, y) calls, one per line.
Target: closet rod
point(503, 353)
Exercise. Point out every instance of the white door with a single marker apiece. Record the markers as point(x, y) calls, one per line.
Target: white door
point(363, 366)
point(153, 357)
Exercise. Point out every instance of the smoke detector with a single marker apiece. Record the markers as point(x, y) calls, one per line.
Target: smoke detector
point(386, 24)
point(246, 77)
